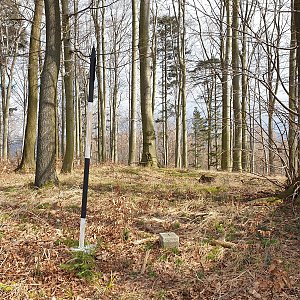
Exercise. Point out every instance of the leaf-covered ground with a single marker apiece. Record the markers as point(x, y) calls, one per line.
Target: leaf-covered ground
point(127, 209)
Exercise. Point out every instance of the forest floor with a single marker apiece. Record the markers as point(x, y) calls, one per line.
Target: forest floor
point(237, 240)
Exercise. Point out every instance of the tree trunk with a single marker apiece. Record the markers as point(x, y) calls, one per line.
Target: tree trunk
point(63, 116)
point(183, 82)
point(114, 119)
point(46, 142)
point(103, 104)
point(178, 128)
point(164, 101)
point(154, 59)
point(237, 146)
point(133, 111)
point(245, 162)
point(28, 157)
point(78, 147)
point(225, 158)
point(149, 157)
point(296, 12)
point(68, 84)
point(292, 101)
point(99, 78)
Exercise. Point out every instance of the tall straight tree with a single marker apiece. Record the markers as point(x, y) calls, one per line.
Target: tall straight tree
point(103, 103)
point(247, 10)
point(133, 95)
point(68, 85)
point(182, 83)
point(46, 141)
point(226, 49)
point(28, 157)
point(237, 111)
point(149, 157)
point(78, 127)
point(292, 98)
point(296, 12)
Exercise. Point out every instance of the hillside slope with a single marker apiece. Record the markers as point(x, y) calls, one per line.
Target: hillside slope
point(237, 240)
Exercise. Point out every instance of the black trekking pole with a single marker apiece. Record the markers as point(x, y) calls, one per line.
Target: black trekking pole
point(88, 140)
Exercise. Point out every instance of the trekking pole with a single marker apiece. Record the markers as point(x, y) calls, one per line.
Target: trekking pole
point(88, 140)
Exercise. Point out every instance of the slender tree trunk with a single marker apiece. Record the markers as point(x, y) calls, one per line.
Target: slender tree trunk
point(209, 123)
point(178, 129)
point(181, 18)
point(216, 120)
point(3, 103)
point(114, 120)
point(46, 142)
point(296, 13)
point(252, 130)
point(68, 84)
point(149, 157)
point(133, 92)
point(292, 100)
point(99, 79)
point(164, 101)
point(63, 115)
point(103, 105)
point(245, 156)
point(237, 147)
point(76, 89)
point(154, 60)
point(28, 157)
point(225, 159)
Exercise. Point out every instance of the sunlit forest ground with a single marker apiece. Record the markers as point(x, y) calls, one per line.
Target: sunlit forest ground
point(237, 239)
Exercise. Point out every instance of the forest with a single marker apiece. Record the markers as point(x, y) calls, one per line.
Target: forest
point(181, 116)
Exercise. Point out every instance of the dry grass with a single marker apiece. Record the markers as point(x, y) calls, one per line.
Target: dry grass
point(127, 209)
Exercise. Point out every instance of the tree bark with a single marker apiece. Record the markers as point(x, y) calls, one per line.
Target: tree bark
point(28, 157)
point(103, 104)
point(68, 85)
point(133, 95)
point(237, 146)
point(297, 30)
point(182, 62)
point(46, 142)
point(245, 156)
point(149, 157)
point(225, 158)
point(292, 100)
point(99, 78)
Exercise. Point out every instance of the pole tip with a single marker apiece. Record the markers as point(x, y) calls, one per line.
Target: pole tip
point(93, 56)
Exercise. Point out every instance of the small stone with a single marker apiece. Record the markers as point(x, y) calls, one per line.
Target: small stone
point(168, 240)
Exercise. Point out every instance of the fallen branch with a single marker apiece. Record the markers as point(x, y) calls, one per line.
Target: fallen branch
point(224, 244)
point(143, 241)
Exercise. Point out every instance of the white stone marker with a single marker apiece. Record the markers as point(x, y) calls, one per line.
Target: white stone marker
point(168, 240)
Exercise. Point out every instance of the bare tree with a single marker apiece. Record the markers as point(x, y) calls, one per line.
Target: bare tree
point(133, 95)
point(237, 111)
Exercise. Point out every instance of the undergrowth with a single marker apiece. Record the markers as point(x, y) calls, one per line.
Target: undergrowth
point(83, 264)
